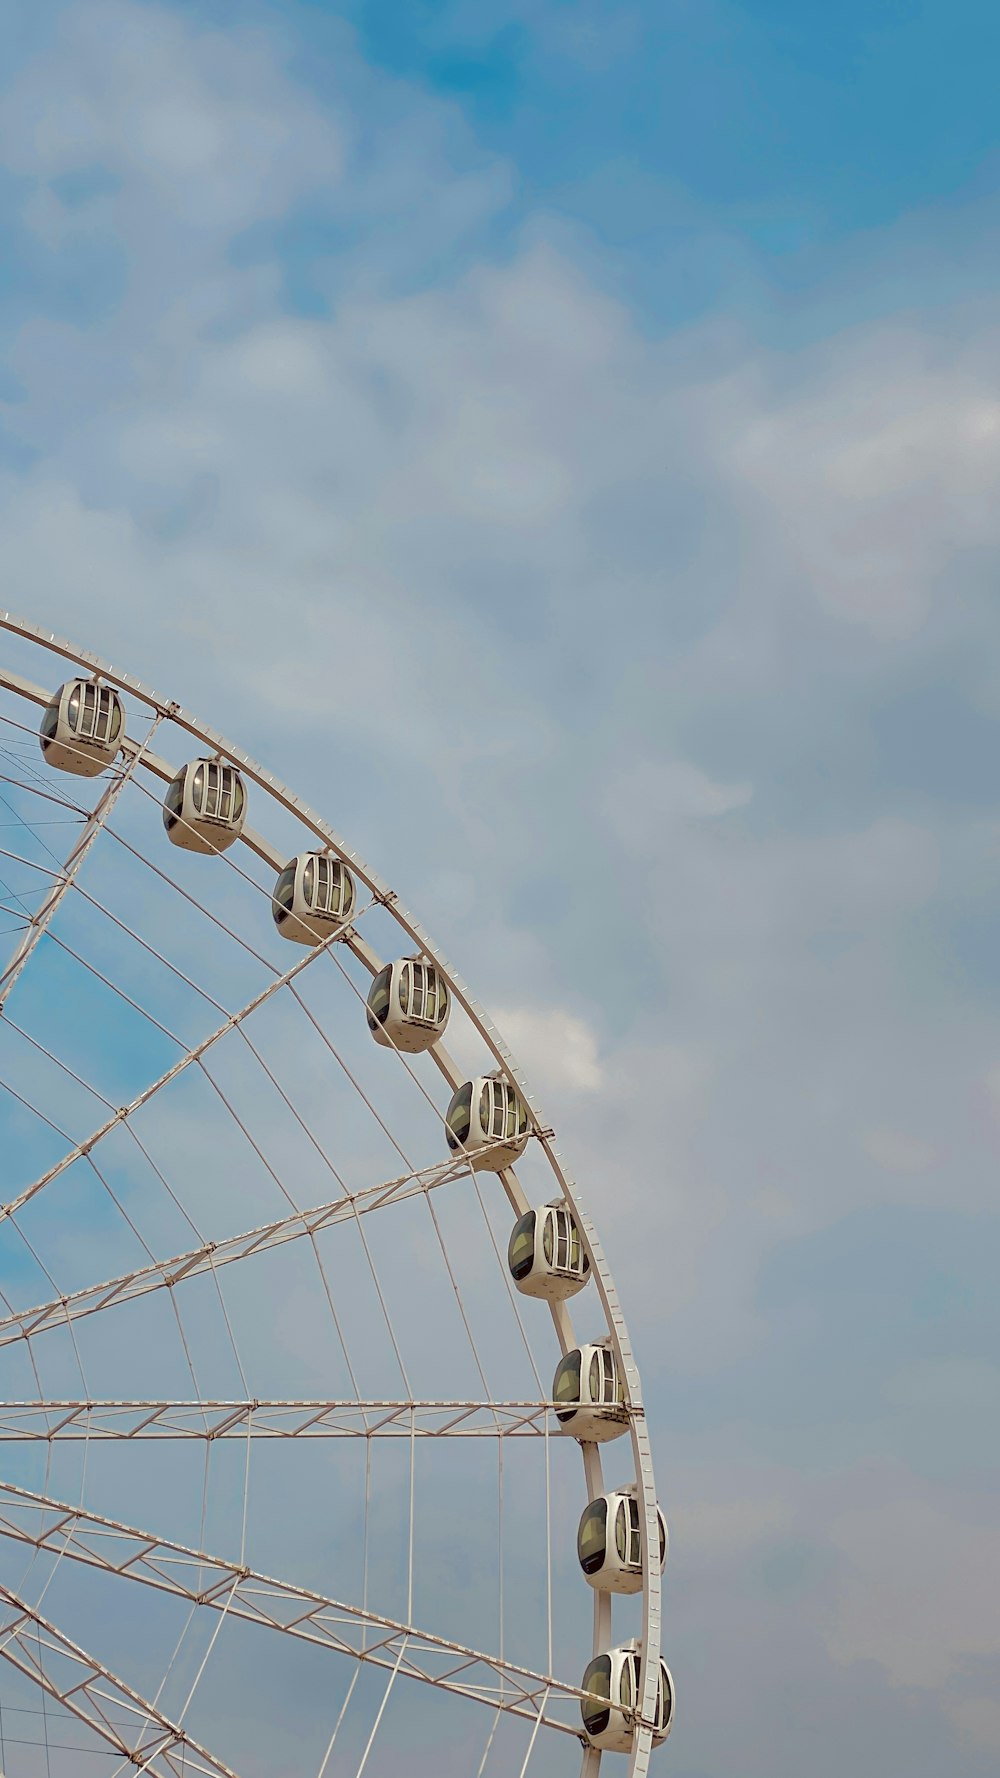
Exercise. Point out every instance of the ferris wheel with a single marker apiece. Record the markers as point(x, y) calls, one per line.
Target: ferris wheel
point(292, 1405)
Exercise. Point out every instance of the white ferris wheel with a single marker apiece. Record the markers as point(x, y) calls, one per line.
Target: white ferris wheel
point(290, 1476)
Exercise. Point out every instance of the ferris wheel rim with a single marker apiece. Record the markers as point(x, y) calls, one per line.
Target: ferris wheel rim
point(284, 797)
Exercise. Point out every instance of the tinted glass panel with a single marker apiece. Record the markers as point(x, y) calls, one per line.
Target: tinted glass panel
point(50, 719)
point(484, 1113)
point(73, 707)
point(284, 890)
point(521, 1250)
point(597, 1678)
point(665, 1699)
point(547, 1237)
point(625, 1692)
point(378, 998)
point(459, 1119)
point(566, 1387)
point(591, 1539)
point(621, 1531)
point(175, 796)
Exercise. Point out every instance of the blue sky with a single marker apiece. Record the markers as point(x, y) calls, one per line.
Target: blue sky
point(627, 376)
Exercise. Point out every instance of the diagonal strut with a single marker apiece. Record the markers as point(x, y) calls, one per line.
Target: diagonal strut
point(194, 1054)
point(85, 839)
point(26, 1323)
point(89, 1690)
point(122, 1550)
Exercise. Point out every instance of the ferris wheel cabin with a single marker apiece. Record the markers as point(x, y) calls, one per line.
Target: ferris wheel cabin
point(545, 1254)
point(589, 1395)
point(609, 1542)
point(616, 1678)
point(82, 727)
point(205, 806)
point(408, 1005)
point(489, 1122)
point(313, 898)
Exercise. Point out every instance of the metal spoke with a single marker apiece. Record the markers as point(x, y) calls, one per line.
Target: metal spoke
point(208, 1255)
point(91, 828)
point(90, 1691)
point(41, 1422)
point(239, 1591)
point(192, 1055)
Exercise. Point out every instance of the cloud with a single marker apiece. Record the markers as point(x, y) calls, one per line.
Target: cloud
point(977, 1721)
point(898, 1152)
point(648, 798)
point(723, 1531)
point(876, 467)
point(558, 1050)
point(899, 1553)
point(205, 126)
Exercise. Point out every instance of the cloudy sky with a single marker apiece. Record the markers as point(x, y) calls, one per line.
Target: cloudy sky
point(561, 439)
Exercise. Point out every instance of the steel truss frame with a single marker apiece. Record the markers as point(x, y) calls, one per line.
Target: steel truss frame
point(45, 1422)
point(200, 1579)
point(284, 1419)
point(208, 1255)
point(90, 1691)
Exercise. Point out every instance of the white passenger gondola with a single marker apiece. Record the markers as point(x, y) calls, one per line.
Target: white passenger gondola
point(609, 1542)
point(589, 1395)
point(408, 1005)
point(82, 727)
point(313, 897)
point(489, 1121)
point(609, 1717)
point(205, 806)
point(546, 1255)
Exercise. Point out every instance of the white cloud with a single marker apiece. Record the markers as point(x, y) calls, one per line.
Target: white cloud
point(977, 1721)
point(991, 1087)
point(897, 1151)
point(875, 468)
point(917, 1588)
point(557, 1049)
point(646, 798)
point(206, 125)
point(720, 1531)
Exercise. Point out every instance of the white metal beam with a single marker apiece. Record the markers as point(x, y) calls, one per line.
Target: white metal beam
point(43, 1422)
point(90, 1692)
point(84, 840)
point(192, 1055)
point(167, 1273)
point(204, 1580)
